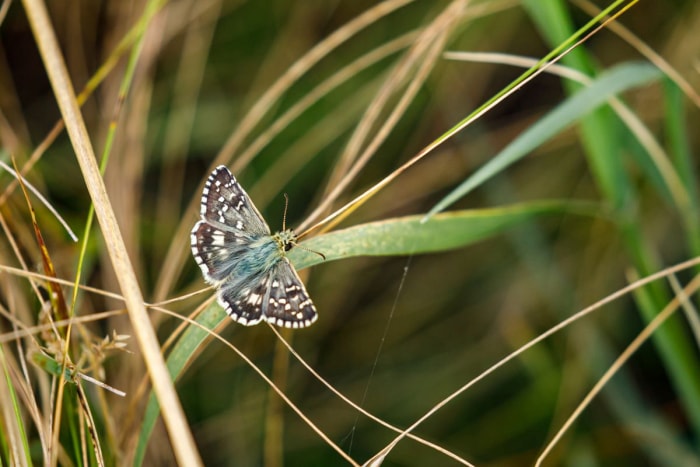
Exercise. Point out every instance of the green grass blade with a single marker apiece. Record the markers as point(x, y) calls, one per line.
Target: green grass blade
point(15, 435)
point(411, 235)
point(402, 236)
point(682, 157)
point(607, 85)
point(600, 131)
point(604, 142)
point(176, 361)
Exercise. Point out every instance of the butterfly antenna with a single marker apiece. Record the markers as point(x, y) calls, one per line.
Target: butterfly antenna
point(284, 216)
point(284, 227)
point(310, 250)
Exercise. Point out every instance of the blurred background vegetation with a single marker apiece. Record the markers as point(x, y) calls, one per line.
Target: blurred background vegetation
point(396, 335)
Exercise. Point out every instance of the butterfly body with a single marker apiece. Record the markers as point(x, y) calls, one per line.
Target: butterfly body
point(236, 251)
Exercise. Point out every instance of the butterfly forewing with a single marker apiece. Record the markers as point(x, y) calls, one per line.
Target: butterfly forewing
point(226, 204)
point(229, 223)
point(217, 251)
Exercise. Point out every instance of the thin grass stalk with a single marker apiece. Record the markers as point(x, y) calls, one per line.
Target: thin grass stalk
point(181, 437)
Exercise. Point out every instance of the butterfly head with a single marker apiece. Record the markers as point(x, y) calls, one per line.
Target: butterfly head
point(286, 240)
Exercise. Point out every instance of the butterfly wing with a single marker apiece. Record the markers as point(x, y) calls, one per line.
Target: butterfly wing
point(278, 297)
point(244, 304)
point(288, 304)
point(230, 222)
point(226, 205)
point(217, 251)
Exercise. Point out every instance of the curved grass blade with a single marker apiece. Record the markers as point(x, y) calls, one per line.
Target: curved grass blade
point(607, 85)
point(402, 236)
point(411, 235)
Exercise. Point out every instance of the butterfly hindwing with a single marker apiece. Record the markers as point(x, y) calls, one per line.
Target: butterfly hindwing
point(279, 297)
point(244, 305)
point(288, 303)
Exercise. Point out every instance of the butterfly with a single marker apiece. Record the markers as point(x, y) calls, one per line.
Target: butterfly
point(234, 248)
